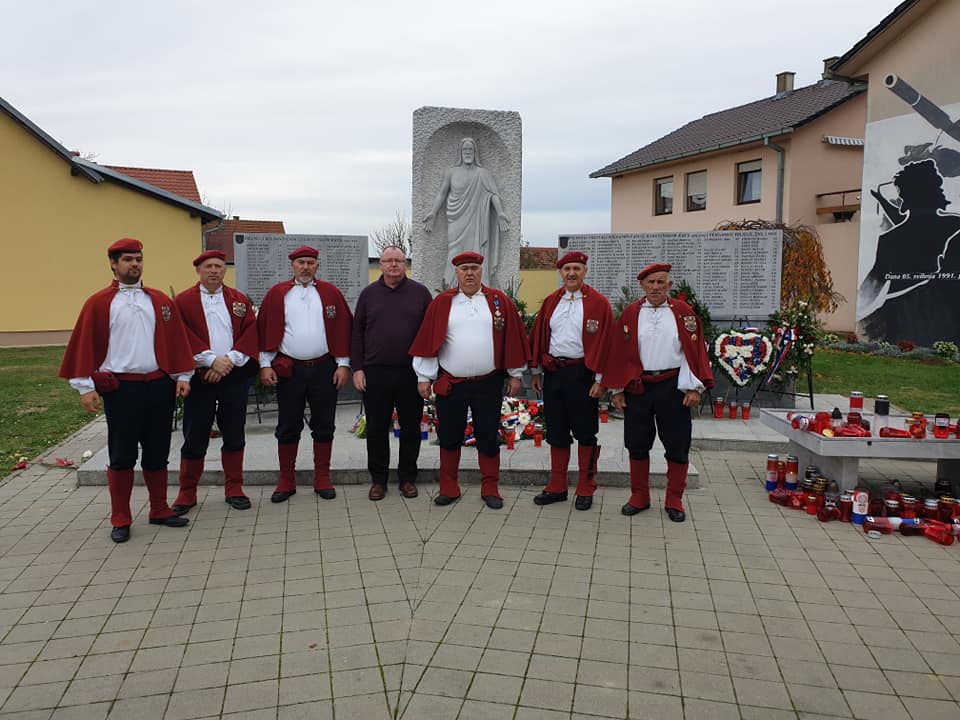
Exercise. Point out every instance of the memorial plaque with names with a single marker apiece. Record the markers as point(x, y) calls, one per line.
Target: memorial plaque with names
point(736, 274)
point(261, 262)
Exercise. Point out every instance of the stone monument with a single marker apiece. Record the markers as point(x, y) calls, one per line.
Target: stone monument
point(466, 193)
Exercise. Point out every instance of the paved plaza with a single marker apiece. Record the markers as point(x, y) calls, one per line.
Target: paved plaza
point(350, 609)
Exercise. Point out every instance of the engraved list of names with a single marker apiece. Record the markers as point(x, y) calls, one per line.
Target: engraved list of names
point(261, 262)
point(735, 273)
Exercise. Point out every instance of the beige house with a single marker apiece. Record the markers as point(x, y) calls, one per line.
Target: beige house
point(794, 156)
point(909, 262)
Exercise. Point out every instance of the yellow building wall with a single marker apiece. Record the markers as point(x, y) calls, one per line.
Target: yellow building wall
point(56, 229)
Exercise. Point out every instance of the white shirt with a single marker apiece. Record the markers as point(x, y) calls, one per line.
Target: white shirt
point(659, 344)
point(219, 328)
point(467, 349)
point(566, 329)
point(304, 332)
point(130, 348)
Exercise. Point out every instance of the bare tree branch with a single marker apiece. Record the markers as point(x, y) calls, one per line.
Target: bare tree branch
point(397, 233)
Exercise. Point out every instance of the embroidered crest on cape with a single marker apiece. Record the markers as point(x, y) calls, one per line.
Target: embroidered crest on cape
point(239, 309)
point(165, 312)
point(331, 311)
point(690, 323)
point(592, 326)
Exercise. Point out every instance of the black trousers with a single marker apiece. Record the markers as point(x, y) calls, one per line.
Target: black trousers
point(311, 386)
point(140, 414)
point(483, 398)
point(568, 408)
point(390, 386)
point(226, 401)
point(658, 410)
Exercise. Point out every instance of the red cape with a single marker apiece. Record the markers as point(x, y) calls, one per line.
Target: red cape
point(337, 318)
point(242, 318)
point(625, 365)
point(596, 344)
point(510, 347)
point(91, 335)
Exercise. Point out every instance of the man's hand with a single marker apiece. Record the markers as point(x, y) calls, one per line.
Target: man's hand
point(536, 383)
point(211, 376)
point(360, 380)
point(596, 390)
point(514, 385)
point(691, 398)
point(222, 365)
point(424, 389)
point(340, 377)
point(183, 388)
point(90, 401)
point(268, 377)
point(619, 401)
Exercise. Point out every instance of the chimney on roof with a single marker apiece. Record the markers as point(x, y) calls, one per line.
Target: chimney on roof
point(236, 217)
point(827, 63)
point(785, 82)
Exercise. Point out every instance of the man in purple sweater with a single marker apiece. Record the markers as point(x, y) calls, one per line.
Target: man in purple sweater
point(388, 315)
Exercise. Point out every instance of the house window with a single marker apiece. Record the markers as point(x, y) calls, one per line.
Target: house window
point(748, 182)
point(697, 191)
point(663, 196)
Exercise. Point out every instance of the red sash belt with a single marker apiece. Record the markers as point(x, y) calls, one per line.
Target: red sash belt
point(443, 385)
point(140, 377)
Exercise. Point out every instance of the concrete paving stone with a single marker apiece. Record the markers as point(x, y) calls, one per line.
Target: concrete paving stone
point(426, 707)
point(929, 709)
point(61, 648)
point(34, 697)
point(817, 700)
point(547, 694)
point(92, 690)
point(150, 682)
point(106, 664)
point(47, 671)
point(852, 653)
point(321, 710)
point(762, 693)
point(251, 696)
point(607, 702)
point(195, 704)
point(867, 680)
point(92, 711)
point(495, 688)
point(875, 707)
point(203, 676)
point(480, 710)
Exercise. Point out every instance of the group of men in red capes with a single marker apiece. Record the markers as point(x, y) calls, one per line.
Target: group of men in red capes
point(578, 351)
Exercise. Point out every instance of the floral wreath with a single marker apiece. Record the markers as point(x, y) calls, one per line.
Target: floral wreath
point(742, 354)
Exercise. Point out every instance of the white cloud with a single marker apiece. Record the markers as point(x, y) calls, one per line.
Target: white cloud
point(301, 111)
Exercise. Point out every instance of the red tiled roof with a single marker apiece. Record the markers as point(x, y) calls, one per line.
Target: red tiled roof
point(222, 237)
point(178, 182)
point(538, 258)
point(746, 123)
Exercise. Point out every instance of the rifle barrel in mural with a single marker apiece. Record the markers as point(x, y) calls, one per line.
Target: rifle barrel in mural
point(927, 109)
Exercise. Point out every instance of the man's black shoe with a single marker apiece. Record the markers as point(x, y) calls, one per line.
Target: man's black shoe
point(444, 499)
point(629, 509)
point(120, 534)
point(493, 502)
point(584, 502)
point(238, 502)
point(326, 493)
point(546, 498)
point(281, 496)
point(676, 515)
point(182, 509)
point(172, 521)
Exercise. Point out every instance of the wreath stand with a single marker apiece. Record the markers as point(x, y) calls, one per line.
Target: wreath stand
point(809, 394)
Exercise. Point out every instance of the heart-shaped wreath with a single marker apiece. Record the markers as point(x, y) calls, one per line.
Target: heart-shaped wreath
point(742, 354)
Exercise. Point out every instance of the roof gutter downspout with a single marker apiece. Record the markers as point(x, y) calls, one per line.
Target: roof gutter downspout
point(781, 153)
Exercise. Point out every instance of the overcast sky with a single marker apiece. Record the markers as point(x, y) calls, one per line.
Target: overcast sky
point(302, 111)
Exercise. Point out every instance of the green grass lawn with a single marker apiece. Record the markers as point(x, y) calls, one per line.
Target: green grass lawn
point(37, 408)
point(912, 385)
